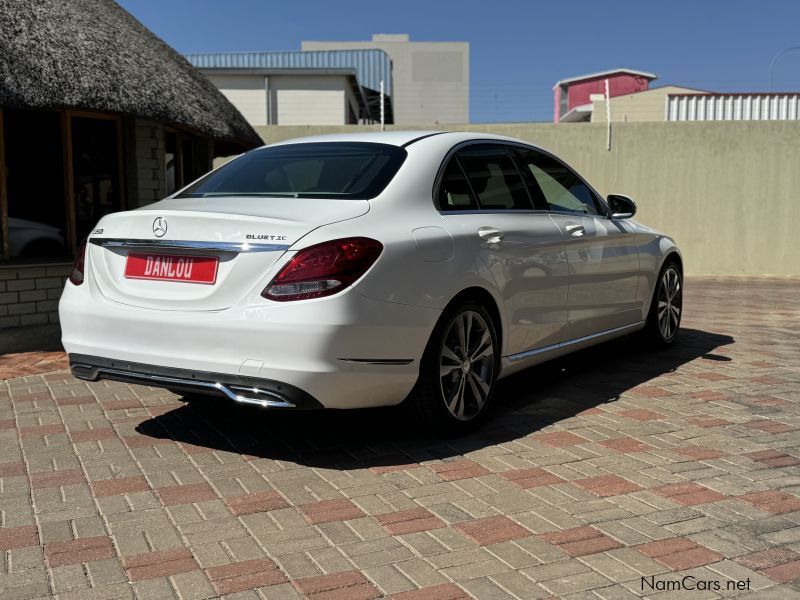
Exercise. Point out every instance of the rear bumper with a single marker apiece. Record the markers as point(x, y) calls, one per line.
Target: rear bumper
point(244, 390)
point(345, 351)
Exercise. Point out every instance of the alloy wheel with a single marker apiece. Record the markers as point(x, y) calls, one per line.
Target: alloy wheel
point(467, 364)
point(670, 303)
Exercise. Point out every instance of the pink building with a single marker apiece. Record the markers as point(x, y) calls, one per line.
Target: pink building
point(572, 97)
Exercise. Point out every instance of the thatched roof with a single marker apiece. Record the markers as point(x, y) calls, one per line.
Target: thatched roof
point(93, 55)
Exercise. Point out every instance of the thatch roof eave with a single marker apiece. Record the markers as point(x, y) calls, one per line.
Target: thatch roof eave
point(93, 55)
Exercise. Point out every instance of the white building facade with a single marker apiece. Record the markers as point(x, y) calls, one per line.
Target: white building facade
point(303, 88)
point(431, 79)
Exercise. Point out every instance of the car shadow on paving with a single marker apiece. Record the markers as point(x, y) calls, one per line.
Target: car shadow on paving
point(524, 404)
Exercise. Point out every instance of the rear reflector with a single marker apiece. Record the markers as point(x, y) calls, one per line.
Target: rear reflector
point(323, 269)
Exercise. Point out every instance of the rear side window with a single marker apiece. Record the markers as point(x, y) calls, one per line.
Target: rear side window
point(355, 170)
point(562, 189)
point(454, 190)
point(494, 177)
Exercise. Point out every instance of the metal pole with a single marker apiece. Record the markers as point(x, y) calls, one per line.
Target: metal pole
point(775, 58)
point(268, 102)
point(608, 118)
point(383, 124)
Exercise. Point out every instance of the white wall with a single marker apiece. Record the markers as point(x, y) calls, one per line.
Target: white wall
point(294, 99)
point(246, 93)
point(309, 99)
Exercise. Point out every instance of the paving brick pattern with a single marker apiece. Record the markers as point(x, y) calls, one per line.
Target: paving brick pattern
point(21, 364)
point(596, 471)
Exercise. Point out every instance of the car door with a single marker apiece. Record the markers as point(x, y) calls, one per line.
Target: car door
point(602, 253)
point(489, 213)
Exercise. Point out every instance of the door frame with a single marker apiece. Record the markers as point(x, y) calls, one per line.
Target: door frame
point(69, 172)
point(5, 249)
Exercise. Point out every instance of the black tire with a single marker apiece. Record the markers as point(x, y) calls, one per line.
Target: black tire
point(428, 401)
point(659, 334)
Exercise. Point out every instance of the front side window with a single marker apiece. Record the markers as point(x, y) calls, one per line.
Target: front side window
point(562, 189)
point(494, 177)
point(352, 170)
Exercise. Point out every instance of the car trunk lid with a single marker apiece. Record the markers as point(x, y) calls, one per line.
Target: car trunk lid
point(242, 237)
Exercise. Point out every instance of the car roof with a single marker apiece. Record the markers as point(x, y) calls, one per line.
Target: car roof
point(395, 138)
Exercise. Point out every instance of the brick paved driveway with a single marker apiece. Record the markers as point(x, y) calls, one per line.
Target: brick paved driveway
point(596, 471)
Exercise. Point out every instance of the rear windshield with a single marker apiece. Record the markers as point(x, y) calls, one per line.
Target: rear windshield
point(357, 170)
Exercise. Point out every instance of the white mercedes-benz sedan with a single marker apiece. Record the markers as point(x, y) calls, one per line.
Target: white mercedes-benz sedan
point(361, 270)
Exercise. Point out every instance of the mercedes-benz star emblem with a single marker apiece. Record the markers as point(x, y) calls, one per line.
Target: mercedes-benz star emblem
point(160, 226)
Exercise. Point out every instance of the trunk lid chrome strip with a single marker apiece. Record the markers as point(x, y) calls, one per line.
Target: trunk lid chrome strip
point(187, 245)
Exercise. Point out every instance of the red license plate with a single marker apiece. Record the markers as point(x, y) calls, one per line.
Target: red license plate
point(172, 267)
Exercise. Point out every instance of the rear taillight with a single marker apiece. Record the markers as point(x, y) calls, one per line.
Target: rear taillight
point(76, 276)
point(324, 269)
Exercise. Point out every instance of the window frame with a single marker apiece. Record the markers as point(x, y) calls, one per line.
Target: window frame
point(602, 205)
point(72, 207)
point(5, 247)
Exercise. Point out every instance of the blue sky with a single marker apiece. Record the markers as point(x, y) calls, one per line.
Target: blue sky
point(518, 48)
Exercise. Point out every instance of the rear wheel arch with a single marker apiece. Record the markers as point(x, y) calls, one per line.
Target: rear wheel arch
point(485, 299)
point(428, 401)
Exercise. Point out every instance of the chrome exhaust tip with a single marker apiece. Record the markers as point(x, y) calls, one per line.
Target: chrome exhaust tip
point(254, 396)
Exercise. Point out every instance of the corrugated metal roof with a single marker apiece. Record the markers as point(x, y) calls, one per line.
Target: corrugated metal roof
point(371, 65)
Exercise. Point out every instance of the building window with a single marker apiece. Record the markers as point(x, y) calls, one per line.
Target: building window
point(171, 162)
point(186, 157)
point(96, 173)
point(35, 189)
point(60, 172)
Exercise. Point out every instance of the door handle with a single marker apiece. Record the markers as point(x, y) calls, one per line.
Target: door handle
point(490, 234)
point(575, 230)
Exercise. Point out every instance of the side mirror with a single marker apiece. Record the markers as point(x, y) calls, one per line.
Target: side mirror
point(622, 207)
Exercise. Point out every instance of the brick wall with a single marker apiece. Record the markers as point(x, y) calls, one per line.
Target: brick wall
point(148, 164)
point(29, 294)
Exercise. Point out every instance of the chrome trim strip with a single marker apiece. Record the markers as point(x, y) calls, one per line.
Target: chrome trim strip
point(188, 245)
point(377, 361)
point(280, 402)
point(529, 353)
